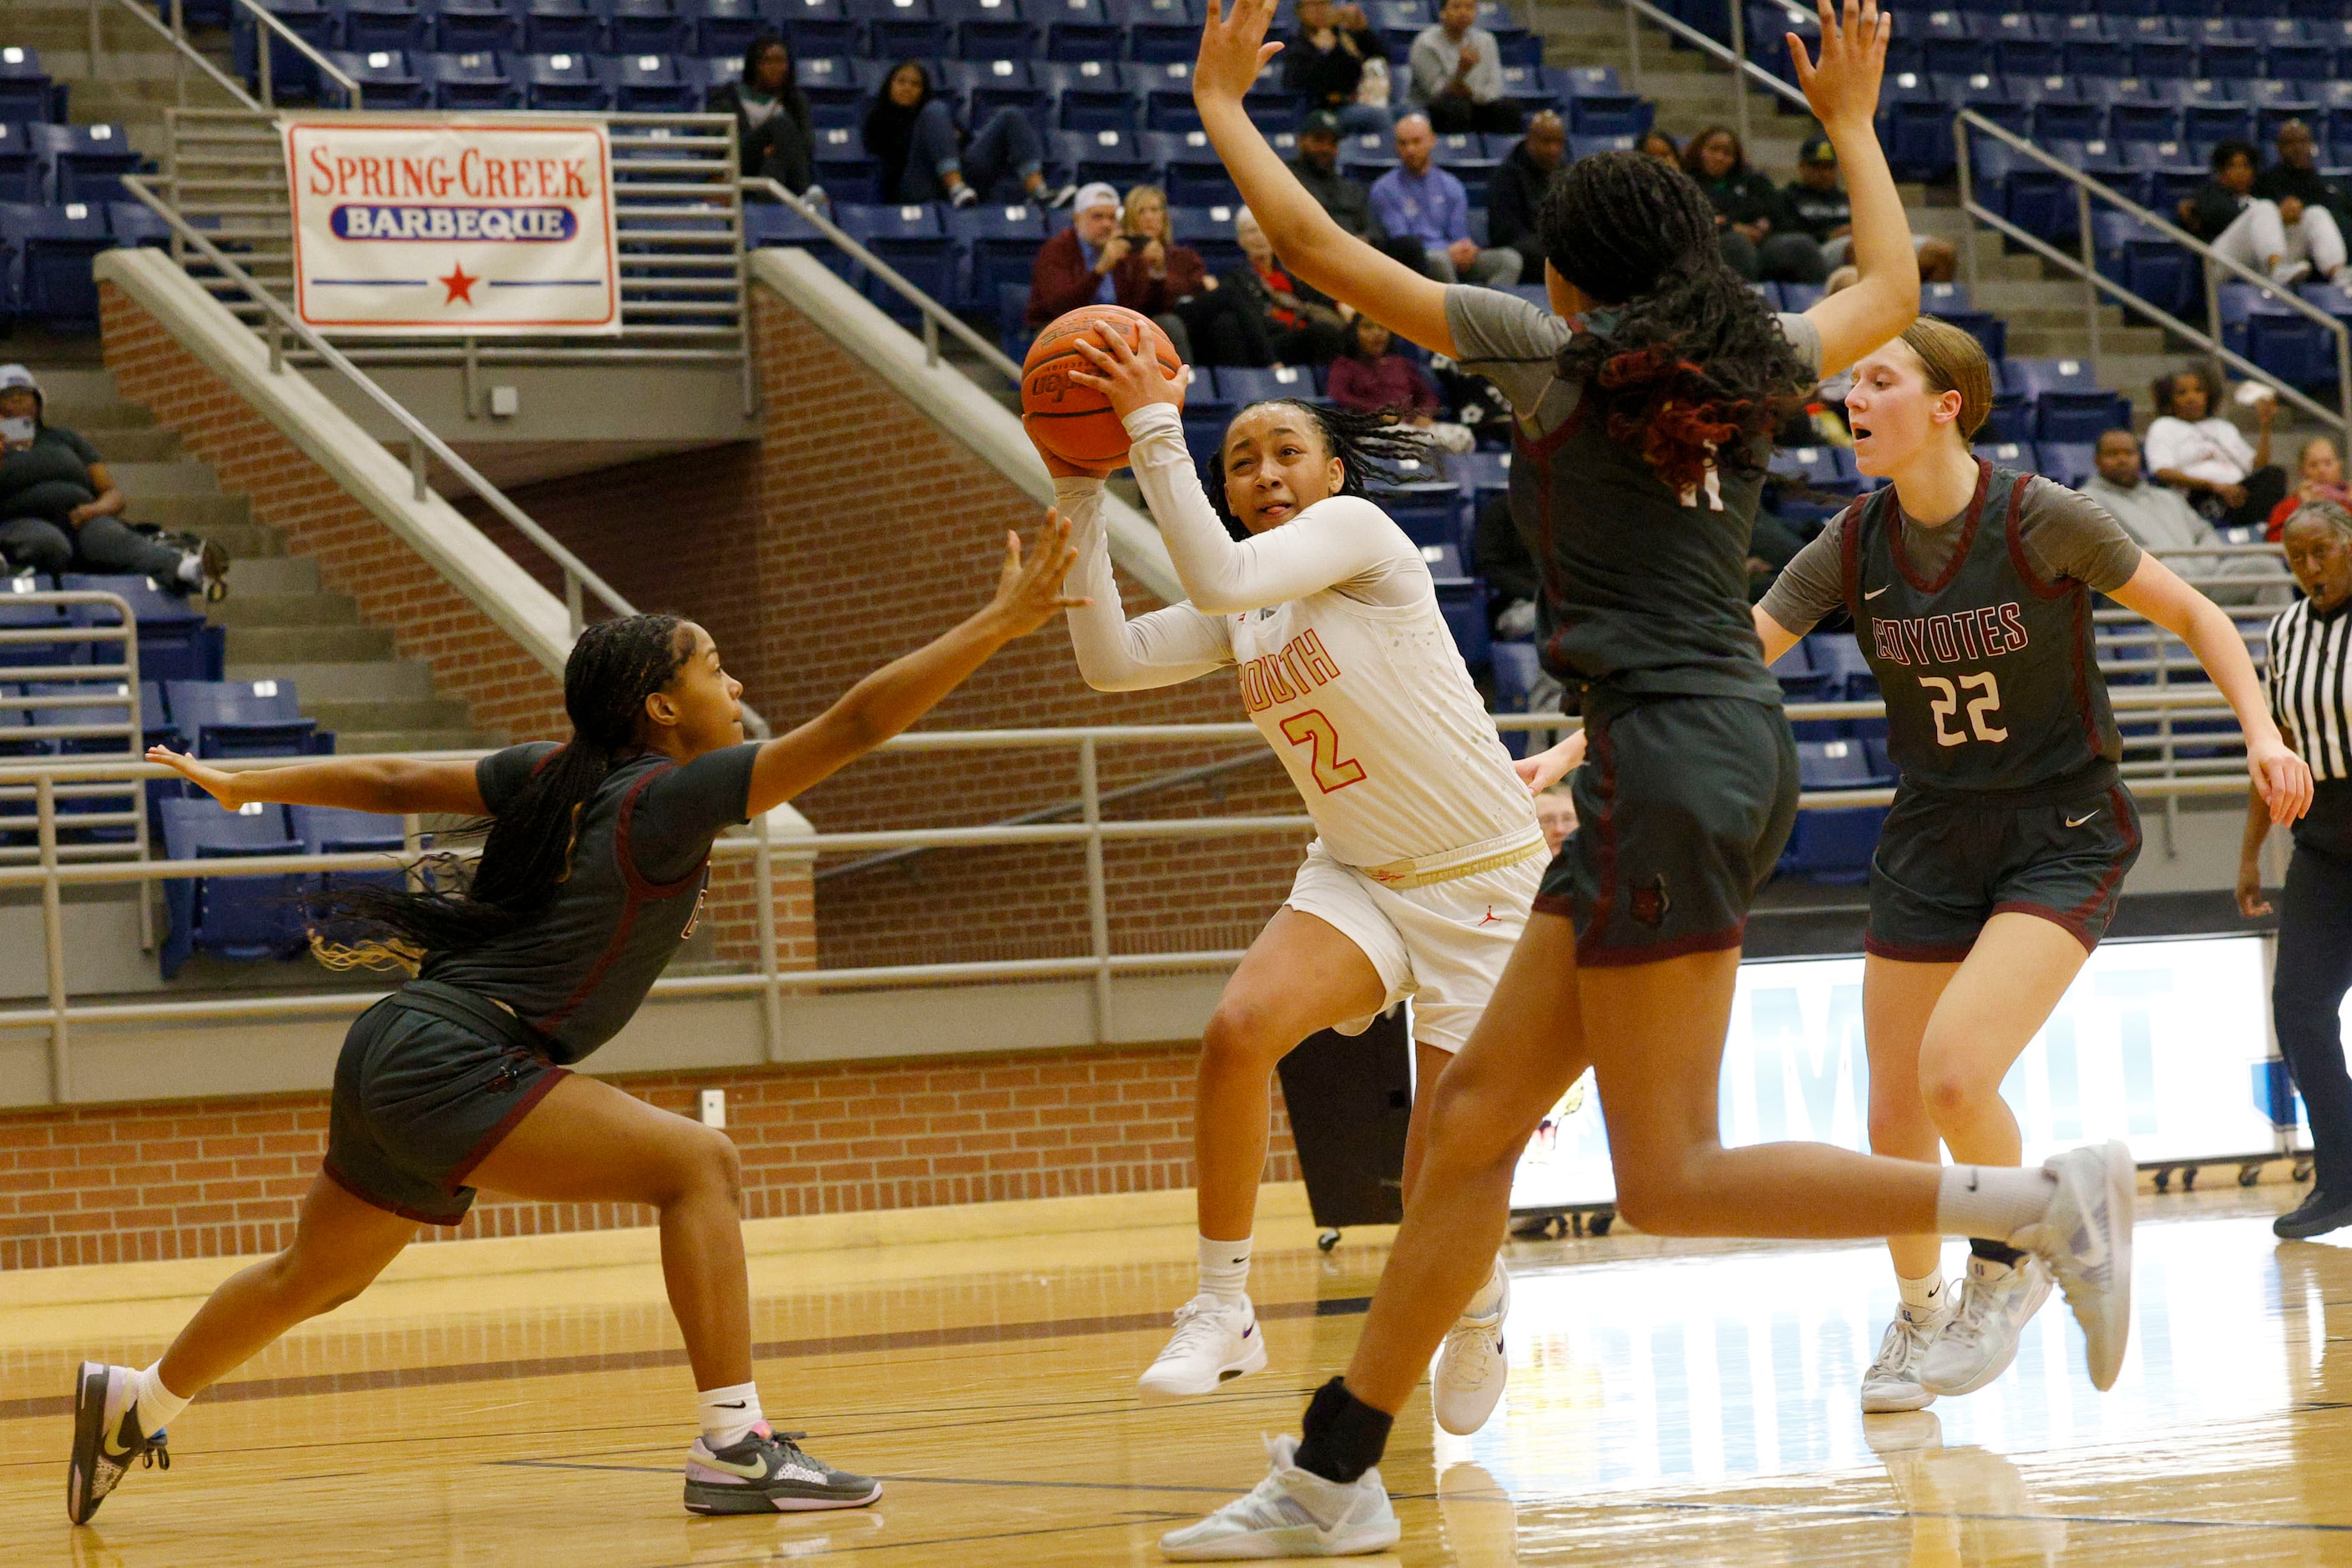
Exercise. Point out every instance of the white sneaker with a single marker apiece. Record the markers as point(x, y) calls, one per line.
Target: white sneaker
point(1213, 1344)
point(1293, 1513)
point(1472, 1368)
point(2085, 1239)
point(1980, 1341)
point(1892, 1383)
point(2287, 274)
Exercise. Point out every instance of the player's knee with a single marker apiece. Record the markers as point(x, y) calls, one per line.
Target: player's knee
point(1241, 1034)
point(1466, 1129)
point(717, 1166)
point(1951, 1085)
point(1665, 1194)
point(1896, 1126)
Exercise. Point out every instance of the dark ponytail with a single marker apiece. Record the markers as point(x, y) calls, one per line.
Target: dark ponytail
point(1375, 452)
point(527, 855)
point(1690, 367)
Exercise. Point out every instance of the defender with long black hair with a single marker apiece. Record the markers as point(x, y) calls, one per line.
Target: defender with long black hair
point(1427, 848)
point(1643, 402)
point(591, 876)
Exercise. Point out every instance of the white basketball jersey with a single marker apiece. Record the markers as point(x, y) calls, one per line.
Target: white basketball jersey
point(1372, 710)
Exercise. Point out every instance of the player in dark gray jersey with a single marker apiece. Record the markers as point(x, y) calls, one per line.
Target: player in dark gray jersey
point(591, 874)
point(1644, 401)
point(2000, 865)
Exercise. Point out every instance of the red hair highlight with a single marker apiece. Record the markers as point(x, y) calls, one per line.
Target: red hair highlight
point(1675, 417)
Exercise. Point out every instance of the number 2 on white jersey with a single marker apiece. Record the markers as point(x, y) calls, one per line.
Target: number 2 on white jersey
point(1946, 704)
point(1332, 771)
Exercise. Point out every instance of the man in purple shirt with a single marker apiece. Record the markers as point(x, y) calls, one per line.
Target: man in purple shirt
point(1429, 204)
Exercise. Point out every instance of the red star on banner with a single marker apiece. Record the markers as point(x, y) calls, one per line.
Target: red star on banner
point(460, 285)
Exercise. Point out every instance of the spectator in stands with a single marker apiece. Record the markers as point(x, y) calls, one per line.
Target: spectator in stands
point(1515, 194)
point(60, 510)
point(2318, 476)
point(923, 155)
point(1110, 255)
point(1259, 316)
point(1502, 559)
point(2296, 177)
point(1656, 144)
point(2198, 451)
point(1425, 202)
point(1556, 814)
point(1818, 207)
point(1347, 200)
point(1457, 74)
point(1371, 377)
point(2160, 521)
point(1752, 224)
point(2285, 238)
point(775, 137)
point(1323, 64)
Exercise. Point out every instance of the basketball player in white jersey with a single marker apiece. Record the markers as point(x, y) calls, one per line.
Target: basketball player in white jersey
point(1428, 852)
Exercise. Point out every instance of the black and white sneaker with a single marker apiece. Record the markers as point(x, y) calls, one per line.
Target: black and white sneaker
point(106, 1438)
point(2315, 1215)
point(768, 1473)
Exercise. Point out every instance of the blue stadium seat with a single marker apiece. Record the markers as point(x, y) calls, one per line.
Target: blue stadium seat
point(2156, 54)
point(1835, 844)
point(234, 917)
point(648, 28)
point(27, 96)
point(85, 163)
point(50, 249)
point(2276, 102)
point(1846, 674)
point(1209, 231)
point(132, 224)
point(1157, 31)
point(719, 29)
point(1166, 87)
point(910, 239)
point(1088, 95)
point(387, 80)
point(1794, 670)
point(1078, 30)
point(842, 166)
point(999, 246)
point(2275, 335)
point(398, 26)
point(2145, 261)
point(985, 29)
point(1111, 155)
point(1191, 170)
point(1915, 122)
point(821, 27)
point(2069, 404)
point(1582, 147)
point(243, 719)
point(313, 21)
point(1241, 385)
point(2034, 197)
point(174, 642)
point(476, 27)
point(648, 84)
point(900, 29)
point(564, 26)
point(2071, 463)
point(475, 80)
point(16, 615)
point(21, 176)
point(2298, 60)
point(1462, 601)
point(988, 85)
point(2010, 455)
point(2229, 59)
point(2137, 111)
point(562, 81)
point(334, 830)
point(2163, 173)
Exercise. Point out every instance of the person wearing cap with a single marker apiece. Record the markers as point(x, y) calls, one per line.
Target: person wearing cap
point(1418, 198)
point(1515, 194)
point(1100, 260)
point(1457, 73)
point(61, 511)
point(1817, 204)
point(1323, 64)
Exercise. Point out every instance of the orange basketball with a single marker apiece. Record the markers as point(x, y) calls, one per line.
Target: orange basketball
point(1076, 421)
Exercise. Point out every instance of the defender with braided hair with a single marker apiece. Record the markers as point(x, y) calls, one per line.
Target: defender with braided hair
point(1427, 850)
point(591, 874)
point(1644, 401)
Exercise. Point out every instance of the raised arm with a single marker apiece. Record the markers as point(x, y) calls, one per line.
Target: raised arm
point(389, 786)
point(2280, 777)
point(1162, 648)
point(1842, 88)
point(1312, 246)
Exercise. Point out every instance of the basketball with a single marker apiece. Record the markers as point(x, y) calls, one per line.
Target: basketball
point(1074, 420)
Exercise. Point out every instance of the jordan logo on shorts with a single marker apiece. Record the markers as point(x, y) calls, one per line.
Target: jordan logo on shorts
point(1492, 918)
point(1651, 903)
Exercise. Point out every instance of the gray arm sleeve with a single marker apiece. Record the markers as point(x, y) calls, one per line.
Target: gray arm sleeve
point(1811, 587)
point(2068, 534)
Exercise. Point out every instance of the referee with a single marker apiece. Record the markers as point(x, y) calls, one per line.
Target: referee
point(2310, 682)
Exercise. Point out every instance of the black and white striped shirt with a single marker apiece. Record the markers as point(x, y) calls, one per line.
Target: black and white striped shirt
point(2309, 677)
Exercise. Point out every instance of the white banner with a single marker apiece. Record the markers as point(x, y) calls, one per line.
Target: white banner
point(481, 228)
point(2156, 1043)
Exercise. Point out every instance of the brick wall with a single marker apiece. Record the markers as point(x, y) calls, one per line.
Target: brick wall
point(509, 693)
point(224, 1177)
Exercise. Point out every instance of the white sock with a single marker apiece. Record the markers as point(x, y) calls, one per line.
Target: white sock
point(1922, 1296)
point(157, 1406)
point(1489, 1298)
point(728, 1414)
point(1996, 1201)
point(1224, 1270)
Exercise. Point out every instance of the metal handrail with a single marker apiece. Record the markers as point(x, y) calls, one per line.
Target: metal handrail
point(2085, 266)
point(935, 315)
point(176, 35)
point(1735, 55)
point(301, 47)
point(578, 576)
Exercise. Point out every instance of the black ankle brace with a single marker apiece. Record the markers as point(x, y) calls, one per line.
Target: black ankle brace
point(1995, 1251)
point(1344, 1436)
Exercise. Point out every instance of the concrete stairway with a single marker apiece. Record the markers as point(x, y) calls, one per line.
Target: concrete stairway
point(281, 624)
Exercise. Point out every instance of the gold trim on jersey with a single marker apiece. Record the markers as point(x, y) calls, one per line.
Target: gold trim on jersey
point(1451, 865)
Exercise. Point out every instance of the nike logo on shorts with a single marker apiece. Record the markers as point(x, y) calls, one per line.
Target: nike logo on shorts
point(1875, 592)
point(2078, 821)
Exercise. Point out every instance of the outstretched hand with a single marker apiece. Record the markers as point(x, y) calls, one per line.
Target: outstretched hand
point(1029, 592)
point(1843, 86)
point(1132, 380)
point(1233, 50)
point(221, 786)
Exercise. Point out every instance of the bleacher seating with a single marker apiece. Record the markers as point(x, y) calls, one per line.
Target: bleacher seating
point(232, 917)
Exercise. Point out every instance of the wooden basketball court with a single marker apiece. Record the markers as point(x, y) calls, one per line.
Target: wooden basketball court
point(1670, 1404)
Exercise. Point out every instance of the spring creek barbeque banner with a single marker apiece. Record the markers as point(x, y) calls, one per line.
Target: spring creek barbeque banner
point(459, 227)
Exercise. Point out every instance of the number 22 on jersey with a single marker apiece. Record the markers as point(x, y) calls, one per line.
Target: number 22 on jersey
point(1944, 703)
point(1332, 771)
